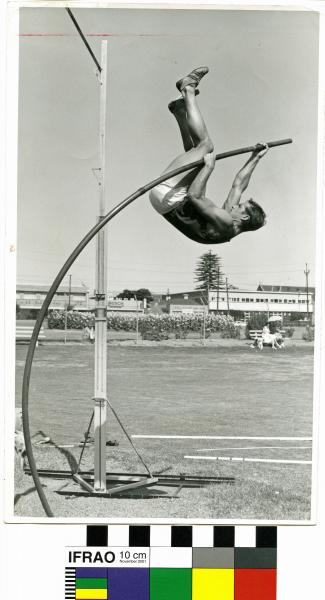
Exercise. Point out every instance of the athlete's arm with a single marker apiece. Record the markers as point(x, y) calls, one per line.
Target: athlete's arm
point(199, 184)
point(242, 178)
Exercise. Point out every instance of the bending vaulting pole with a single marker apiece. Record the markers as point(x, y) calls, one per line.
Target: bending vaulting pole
point(64, 270)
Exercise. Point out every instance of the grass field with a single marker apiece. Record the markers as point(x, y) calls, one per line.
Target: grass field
point(178, 389)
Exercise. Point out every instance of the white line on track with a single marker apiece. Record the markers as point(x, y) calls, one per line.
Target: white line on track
point(254, 460)
point(65, 446)
point(220, 437)
point(47, 445)
point(255, 448)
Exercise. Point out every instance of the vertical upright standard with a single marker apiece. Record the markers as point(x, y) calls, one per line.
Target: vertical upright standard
point(100, 391)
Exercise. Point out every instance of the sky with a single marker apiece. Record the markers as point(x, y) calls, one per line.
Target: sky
point(262, 86)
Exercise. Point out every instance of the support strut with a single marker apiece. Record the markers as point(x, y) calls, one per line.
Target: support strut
point(62, 273)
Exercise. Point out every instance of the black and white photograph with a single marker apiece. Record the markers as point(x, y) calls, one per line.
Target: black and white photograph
point(168, 282)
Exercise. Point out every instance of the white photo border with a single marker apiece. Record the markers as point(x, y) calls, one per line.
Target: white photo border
point(10, 244)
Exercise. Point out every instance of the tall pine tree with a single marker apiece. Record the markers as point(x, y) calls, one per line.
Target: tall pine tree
point(208, 274)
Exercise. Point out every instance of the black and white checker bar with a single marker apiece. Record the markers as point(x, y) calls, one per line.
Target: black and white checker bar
point(178, 536)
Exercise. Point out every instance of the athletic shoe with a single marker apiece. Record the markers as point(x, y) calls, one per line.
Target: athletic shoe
point(192, 78)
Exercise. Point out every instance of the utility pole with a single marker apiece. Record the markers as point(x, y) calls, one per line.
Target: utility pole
point(208, 297)
point(227, 293)
point(69, 295)
point(203, 324)
point(307, 271)
point(67, 307)
point(218, 286)
point(137, 320)
point(209, 275)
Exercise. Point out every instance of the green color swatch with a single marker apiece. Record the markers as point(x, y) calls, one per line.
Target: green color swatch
point(170, 584)
point(91, 583)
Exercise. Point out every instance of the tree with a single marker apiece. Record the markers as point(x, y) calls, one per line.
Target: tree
point(126, 295)
point(140, 294)
point(143, 293)
point(208, 274)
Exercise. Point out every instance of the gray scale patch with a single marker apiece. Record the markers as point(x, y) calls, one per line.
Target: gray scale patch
point(213, 558)
point(255, 558)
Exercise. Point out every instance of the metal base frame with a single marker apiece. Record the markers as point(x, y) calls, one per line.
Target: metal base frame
point(129, 485)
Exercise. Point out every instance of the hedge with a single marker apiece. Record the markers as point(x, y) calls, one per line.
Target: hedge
point(256, 321)
point(151, 326)
point(75, 320)
point(309, 334)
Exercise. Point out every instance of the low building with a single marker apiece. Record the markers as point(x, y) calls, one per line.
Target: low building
point(126, 306)
point(286, 301)
point(29, 299)
point(186, 306)
point(181, 302)
point(280, 301)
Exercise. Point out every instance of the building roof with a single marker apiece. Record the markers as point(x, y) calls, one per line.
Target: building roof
point(194, 294)
point(194, 297)
point(185, 302)
point(63, 289)
point(285, 288)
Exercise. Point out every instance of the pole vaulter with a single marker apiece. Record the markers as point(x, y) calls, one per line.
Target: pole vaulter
point(62, 273)
point(100, 400)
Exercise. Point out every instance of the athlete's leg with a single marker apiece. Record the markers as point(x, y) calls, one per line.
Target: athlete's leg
point(196, 125)
point(177, 108)
point(199, 135)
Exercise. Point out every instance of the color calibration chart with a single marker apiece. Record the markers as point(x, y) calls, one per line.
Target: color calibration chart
point(163, 562)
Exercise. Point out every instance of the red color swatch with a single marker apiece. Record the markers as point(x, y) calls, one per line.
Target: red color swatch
point(255, 584)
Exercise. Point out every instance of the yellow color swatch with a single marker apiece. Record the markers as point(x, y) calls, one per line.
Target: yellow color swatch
point(91, 594)
point(213, 584)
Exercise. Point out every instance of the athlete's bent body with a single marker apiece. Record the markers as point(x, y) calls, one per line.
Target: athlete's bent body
point(182, 200)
